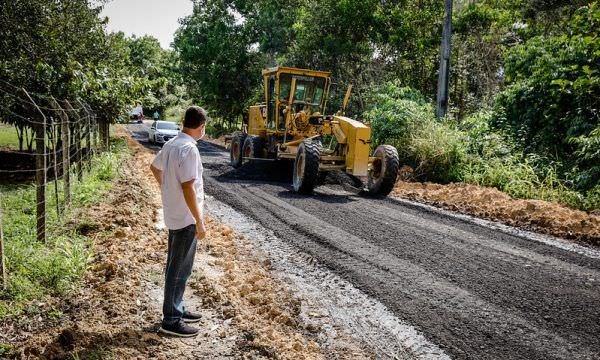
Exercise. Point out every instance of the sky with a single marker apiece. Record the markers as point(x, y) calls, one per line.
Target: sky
point(158, 18)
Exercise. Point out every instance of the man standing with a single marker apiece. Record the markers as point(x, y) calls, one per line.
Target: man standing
point(178, 170)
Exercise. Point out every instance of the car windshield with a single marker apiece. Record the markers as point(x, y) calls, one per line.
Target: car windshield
point(167, 126)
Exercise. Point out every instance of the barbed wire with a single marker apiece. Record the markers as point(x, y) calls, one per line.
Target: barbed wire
point(62, 137)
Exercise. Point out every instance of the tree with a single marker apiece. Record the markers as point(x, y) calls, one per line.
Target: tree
point(217, 61)
point(60, 48)
point(553, 88)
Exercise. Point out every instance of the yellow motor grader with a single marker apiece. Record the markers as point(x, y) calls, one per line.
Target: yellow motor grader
point(291, 125)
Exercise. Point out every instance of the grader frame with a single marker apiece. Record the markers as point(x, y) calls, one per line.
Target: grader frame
point(290, 125)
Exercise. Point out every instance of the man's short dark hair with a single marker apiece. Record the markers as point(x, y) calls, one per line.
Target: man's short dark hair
point(194, 117)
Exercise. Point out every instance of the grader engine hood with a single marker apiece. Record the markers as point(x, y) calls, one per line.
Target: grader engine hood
point(357, 137)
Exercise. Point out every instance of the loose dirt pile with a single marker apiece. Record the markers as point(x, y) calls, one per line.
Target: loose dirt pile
point(246, 312)
point(489, 203)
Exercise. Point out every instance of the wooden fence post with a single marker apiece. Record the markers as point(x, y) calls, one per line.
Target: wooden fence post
point(54, 139)
point(76, 138)
point(95, 134)
point(40, 171)
point(3, 272)
point(66, 153)
point(88, 139)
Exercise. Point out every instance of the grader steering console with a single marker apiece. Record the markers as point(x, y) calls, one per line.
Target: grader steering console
point(290, 125)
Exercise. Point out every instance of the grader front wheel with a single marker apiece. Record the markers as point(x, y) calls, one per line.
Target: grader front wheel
point(306, 167)
point(235, 152)
point(253, 147)
point(383, 170)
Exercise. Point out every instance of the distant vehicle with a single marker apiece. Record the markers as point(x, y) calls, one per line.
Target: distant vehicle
point(162, 131)
point(137, 113)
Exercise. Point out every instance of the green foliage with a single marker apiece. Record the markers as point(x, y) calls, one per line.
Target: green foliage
point(5, 349)
point(553, 90)
point(216, 130)
point(587, 169)
point(216, 58)
point(403, 118)
point(592, 199)
point(471, 150)
point(39, 270)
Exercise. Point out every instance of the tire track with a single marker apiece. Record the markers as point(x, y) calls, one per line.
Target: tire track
point(446, 307)
point(477, 292)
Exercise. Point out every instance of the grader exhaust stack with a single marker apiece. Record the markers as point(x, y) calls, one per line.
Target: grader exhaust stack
point(290, 125)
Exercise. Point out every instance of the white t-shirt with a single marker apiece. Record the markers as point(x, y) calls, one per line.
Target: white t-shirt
point(180, 162)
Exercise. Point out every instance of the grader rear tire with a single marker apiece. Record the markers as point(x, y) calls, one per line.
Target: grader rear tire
point(235, 152)
point(384, 170)
point(306, 167)
point(253, 147)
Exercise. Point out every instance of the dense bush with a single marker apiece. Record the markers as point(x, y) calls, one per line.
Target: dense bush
point(471, 150)
point(402, 117)
point(553, 92)
point(217, 129)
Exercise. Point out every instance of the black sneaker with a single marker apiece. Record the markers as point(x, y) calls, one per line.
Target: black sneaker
point(180, 329)
point(190, 318)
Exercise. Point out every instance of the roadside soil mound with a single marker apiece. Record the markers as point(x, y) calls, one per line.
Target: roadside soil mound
point(246, 312)
point(542, 216)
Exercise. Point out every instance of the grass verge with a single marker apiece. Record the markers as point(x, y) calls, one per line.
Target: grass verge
point(38, 271)
point(8, 137)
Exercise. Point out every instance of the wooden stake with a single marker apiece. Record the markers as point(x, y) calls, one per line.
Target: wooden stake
point(66, 152)
point(40, 171)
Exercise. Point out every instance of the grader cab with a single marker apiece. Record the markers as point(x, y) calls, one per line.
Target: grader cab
point(291, 125)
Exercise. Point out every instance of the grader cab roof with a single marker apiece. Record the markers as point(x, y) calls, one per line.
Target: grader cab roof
point(295, 71)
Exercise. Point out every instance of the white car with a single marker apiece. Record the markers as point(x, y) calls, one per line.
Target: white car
point(137, 113)
point(162, 131)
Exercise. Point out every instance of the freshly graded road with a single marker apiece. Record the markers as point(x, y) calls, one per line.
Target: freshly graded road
point(478, 293)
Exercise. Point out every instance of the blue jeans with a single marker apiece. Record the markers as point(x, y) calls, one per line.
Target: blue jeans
point(180, 261)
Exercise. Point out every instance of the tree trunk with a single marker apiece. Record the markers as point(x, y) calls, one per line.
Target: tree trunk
point(20, 129)
point(104, 133)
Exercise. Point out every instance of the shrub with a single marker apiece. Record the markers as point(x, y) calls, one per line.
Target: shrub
point(438, 150)
point(215, 129)
point(553, 90)
point(587, 170)
point(402, 117)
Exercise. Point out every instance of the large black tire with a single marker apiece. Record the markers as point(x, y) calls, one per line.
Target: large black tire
point(235, 152)
point(253, 147)
point(306, 167)
point(384, 170)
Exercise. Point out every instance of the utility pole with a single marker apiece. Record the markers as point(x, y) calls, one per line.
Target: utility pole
point(444, 75)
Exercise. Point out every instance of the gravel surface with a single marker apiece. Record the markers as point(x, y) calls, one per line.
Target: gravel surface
point(476, 292)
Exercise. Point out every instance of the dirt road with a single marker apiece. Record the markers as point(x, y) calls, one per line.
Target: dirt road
point(476, 292)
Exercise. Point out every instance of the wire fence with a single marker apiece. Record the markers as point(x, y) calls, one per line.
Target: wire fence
point(57, 139)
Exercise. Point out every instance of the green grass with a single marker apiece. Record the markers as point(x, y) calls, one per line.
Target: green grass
point(37, 270)
point(8, 137)
point(96, 353)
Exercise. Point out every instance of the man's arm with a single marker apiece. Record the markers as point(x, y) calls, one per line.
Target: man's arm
point(157, 174)
point(189, 194)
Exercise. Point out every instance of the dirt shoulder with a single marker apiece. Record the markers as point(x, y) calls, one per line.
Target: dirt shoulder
point(247, 313)
point(489, 203)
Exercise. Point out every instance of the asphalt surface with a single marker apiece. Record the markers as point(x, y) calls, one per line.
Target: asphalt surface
point(475, 292)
